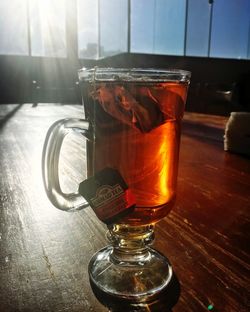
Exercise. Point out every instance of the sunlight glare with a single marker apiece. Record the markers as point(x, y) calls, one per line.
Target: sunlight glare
point(48, 27)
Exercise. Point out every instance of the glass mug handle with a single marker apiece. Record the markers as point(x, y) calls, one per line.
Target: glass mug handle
point(50, 161)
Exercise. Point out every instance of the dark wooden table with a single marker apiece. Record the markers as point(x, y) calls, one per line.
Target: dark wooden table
point(44, 252)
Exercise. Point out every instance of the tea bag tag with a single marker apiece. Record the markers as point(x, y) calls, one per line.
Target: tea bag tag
point(108, 195)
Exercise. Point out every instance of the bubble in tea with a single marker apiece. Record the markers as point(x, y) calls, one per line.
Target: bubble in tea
point(137, 132)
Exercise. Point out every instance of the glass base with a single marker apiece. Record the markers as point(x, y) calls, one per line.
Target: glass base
point(133, 281)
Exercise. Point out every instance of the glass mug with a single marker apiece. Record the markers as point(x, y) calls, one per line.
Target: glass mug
point(132, 127)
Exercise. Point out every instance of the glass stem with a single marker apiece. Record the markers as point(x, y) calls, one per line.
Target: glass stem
point(130, 243)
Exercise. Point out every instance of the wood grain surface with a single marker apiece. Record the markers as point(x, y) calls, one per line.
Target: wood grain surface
point(44, 252)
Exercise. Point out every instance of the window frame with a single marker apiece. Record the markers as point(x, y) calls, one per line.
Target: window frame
point(71, 34)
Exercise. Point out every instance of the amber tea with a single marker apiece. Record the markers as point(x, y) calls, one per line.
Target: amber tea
point(137, 132)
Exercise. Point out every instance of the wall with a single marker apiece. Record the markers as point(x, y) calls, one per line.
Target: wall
point(218, 85)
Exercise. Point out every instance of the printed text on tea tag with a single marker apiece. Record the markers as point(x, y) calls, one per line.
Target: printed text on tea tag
point(108, 195)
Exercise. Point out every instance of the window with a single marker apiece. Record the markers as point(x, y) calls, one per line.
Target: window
point(198, 28)
point(87, 19)
point(230, 29)
point(219, 29)
point(13, 27)
point(158, 26)
point(101, 28)
point(142, 26)
point(34, 27)
point(169, 27)
point(113, 27)
point(47, 28)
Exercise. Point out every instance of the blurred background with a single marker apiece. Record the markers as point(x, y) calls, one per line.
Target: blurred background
point(44, 42)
